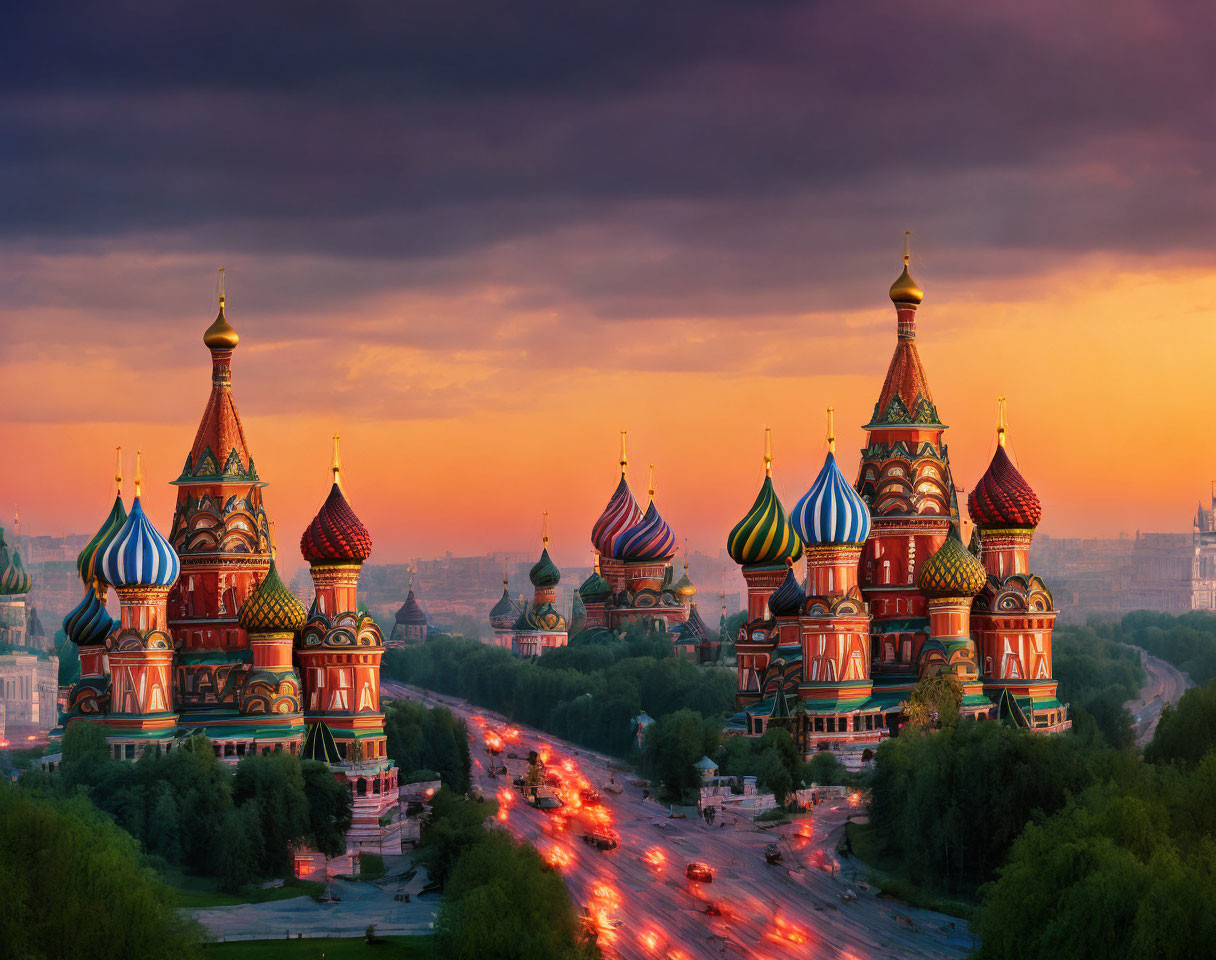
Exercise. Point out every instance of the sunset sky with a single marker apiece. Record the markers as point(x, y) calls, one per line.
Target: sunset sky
point(477, 239)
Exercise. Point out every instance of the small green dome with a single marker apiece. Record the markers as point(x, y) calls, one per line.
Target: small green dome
point(952, 571)
point(545, 573)
point(272, 608)
point(764, 536)
point(595, 588)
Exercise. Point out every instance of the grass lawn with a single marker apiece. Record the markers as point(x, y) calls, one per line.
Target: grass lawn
point(354, 948)
point(201, 891)
point(890, 878)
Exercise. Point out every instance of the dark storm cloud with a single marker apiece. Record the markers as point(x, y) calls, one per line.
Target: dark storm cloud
point(669, 159)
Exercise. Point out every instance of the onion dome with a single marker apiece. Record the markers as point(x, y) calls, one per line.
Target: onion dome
point(1002, 498)
point(648, 541)
point(831, 511)
point(905, 289)
point(504, 613)
point(952, 571)
point(220, 335)
point(544, 617)
point(138, 556)
point(88, 624)
point(764, 536)
point(684, 587)
point(336, 535)
point(544, 572)
point(621, 513)
point(87, 561)
point(595, 588)
point(410, 613)
point(14, 581)
point(787, 599)
point(272, 608)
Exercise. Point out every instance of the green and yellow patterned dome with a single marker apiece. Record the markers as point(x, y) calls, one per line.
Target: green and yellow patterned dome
point(764, 536)
point(272, 608)
point(952, 571)
point(14, 581)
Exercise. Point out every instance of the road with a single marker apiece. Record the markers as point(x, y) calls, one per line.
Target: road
point(1165, 683)
point(808, 906)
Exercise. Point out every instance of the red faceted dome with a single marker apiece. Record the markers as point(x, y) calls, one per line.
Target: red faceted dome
point(336, 535)
point(1003, 498)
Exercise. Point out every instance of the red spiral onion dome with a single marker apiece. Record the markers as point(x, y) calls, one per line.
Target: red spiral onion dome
point(336, 535)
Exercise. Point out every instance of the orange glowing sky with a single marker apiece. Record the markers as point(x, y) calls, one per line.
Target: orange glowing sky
point(478, 239)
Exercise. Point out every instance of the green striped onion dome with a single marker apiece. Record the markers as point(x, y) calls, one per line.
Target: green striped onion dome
point(952, 571)
point(89, 560)
point(764, 536)
point(272, 608)
point(13, 578)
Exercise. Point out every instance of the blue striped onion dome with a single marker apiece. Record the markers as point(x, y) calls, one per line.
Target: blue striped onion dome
point(648, 541)
point(88, 624)
point(272, 608)
point(952, 571)
point(595, 588)
point(544, 572)
point(14, 581)
point(786, 600)
point(139, 556)
point(87, 561)
point(831, 511)
point(764, 536)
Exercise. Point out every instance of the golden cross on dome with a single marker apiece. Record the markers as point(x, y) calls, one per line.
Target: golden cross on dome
point(139, 471)
point(336, 466)
point(118, 469)
point(1001, 423)
point(907, 247)
point(768, 451)
point(624, 455)
point(222, 286)
point(544, 529)
point(831, 429)
point(651, 485)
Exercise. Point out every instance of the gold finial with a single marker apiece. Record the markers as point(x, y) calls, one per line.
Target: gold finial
point(274, 543)
point(768, 453)
point(595, 561)
point(220, 335)
point(139, 472)
point(336, 465)
point(544, 529)
point(16, 523)
point(624, 455)
point(118, 469)
point(831, 429)
point(1001, 424)
point(904, 289)
point(650, 486)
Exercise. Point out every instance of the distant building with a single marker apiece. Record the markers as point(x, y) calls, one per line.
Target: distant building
point(410, 624)
point(29, 668)
point(1203, 557)
point(540, 626)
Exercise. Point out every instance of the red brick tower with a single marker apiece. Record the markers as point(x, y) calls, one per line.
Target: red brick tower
point(905, 479)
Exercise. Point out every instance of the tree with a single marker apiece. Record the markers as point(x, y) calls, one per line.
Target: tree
point(329, 809)
point(74, 887)
point(1187, 731)
point(934, 701)
point(273, 784)
point(670, 748)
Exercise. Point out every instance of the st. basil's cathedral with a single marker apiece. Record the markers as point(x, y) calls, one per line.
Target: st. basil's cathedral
point(890, 594)
point(210, 640)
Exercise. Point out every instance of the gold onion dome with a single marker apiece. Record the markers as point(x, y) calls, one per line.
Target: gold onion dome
point(905, 289)
point(684, 587)
point(220, 335)
point(952, 571)
point(272, 608)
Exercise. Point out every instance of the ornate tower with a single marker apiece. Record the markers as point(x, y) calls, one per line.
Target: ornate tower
point(621, 513)
point(142, 566)
point(271, 616)
point(340, 647)
point(221, 533)
point(88, 624)
point(949, 580)
point(764, 544)
point(833, 521)
point(544, 627)
point(1013, 616)
point(410, 624)
point(905, 479)
point(645, 551)
point(597, 594)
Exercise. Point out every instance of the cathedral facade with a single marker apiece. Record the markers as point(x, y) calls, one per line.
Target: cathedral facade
point(889, 593)
point(209, 638)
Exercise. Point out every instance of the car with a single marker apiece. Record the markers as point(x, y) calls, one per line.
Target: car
point(601, 841)
point(546, 803)
point(772, 853)
point(700, 872)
